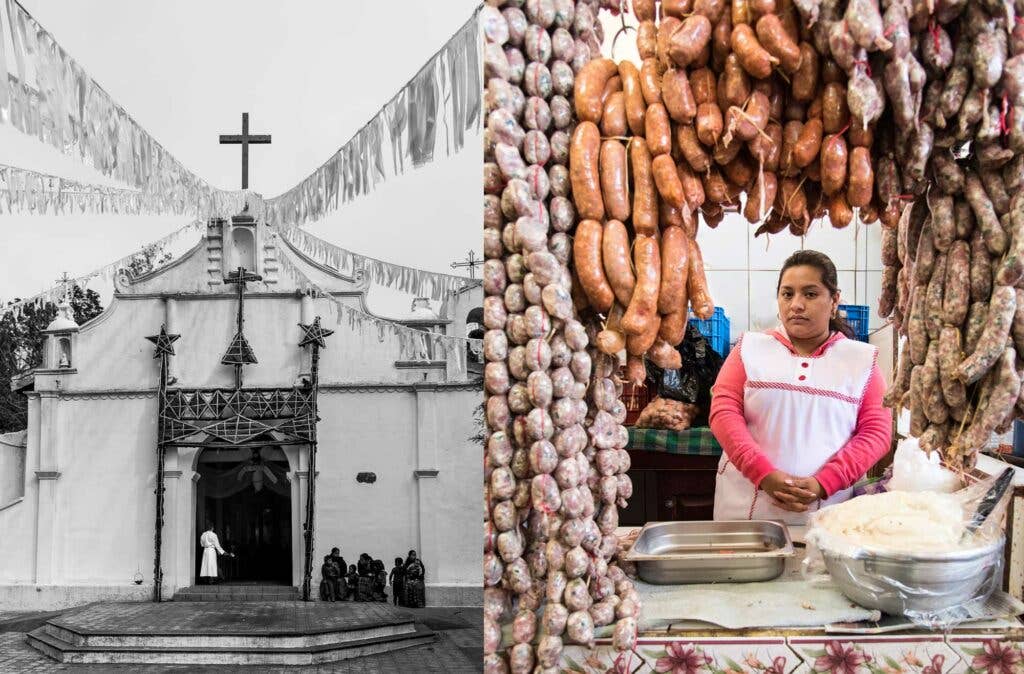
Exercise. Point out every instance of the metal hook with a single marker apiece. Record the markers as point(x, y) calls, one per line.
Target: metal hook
point(624, 29)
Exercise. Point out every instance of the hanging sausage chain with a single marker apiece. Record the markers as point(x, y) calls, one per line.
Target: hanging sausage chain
point(555, 467)
point(794, 110)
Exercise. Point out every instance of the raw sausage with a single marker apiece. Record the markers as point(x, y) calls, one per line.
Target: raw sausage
point(645, 199)
point(617, 267)
point(666, 178)
point(643, 306)
point(614, 182)
point(675, 265)
point(697, 284)
point(589, 269)
point(584, 171)
point(589, 87)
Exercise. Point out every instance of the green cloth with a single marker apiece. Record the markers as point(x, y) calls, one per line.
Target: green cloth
point(695, 441)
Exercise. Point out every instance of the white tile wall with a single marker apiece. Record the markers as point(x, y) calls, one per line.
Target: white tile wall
point(725, 246)
point(743, 270)
point(873, 241)
point(730, 291)
point(838, 244)
point(764, 309)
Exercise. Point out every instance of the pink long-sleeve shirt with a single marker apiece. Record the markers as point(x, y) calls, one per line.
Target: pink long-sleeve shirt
point(869, 442)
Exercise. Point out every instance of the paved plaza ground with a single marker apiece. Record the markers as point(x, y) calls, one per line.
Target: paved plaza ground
point(459, 646)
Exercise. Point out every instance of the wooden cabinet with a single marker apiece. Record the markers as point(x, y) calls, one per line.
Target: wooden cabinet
point(670, 487)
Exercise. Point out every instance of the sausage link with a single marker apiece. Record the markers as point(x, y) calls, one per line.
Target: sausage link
point(613, 119)
point(834, 161)
point(992, 342)
point(673, 327)
point(614, 181)
point(675, 267)
point(643, 306)
point(957, 298)
point(617, 267)
point(666, 179)
point(589, 268)
point(697, 284)
point(677, 96)
point(584, 174)
point(634, 97)
point(657, 130)
point(645, 198)
point(950, 355)
point(589, 88)
point(862, 178)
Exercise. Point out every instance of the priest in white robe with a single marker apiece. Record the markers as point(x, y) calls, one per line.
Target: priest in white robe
point(211, 548)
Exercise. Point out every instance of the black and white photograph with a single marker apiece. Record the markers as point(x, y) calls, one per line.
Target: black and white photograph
point(240, 343)
point(512, 336)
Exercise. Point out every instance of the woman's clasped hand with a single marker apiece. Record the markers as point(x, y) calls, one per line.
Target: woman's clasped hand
point(790, 492)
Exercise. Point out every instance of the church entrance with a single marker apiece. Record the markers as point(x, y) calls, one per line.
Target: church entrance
point(245, 493)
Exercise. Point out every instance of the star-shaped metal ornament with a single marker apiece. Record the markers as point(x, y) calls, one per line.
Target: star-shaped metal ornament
point(315, 334)
point(163, 342)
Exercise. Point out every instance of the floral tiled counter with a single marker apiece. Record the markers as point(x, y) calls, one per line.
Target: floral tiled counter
point(990, 651)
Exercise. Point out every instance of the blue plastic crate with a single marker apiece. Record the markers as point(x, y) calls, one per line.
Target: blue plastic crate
point(715, 330)
point(857, 316)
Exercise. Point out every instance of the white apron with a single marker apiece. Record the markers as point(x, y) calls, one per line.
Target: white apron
point(211, 546)
point(800, 410)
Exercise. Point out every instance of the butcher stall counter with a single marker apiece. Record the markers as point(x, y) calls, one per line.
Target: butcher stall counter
point(718, 635)
point(673, 475)
point(791, 624)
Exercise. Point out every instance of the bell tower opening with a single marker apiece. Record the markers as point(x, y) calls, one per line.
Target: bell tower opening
point(243, 248)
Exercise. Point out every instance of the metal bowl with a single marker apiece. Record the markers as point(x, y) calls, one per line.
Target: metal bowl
point(896, 583)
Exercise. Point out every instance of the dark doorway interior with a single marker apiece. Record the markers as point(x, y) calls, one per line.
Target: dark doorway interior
point(244, 492)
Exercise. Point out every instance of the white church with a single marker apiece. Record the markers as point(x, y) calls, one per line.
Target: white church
point(235, 412)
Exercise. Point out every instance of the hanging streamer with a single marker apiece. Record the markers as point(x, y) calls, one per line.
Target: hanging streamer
point(418, 282)
point(428, 116)
point(46, 94)
point(27, 192)
point(413, 344)
point(106, 272)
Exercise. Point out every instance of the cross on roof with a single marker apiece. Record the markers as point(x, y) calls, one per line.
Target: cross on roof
point(244, 140)
point(471, 261)
point(65, 280)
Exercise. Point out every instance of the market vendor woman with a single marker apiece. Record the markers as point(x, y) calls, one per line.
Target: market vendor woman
point(798, 409)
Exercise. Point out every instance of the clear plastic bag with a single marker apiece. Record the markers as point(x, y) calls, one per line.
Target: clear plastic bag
point(915, 554)
point(913, 469)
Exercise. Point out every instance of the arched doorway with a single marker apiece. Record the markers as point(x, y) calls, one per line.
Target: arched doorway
point(245, 493)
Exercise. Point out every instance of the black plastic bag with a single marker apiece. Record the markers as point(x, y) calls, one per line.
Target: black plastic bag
point(692, 382)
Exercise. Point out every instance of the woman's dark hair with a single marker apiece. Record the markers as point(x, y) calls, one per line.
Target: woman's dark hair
point(829, 279)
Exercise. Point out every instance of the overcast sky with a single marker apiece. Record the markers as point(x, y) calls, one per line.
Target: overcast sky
point(310, 74)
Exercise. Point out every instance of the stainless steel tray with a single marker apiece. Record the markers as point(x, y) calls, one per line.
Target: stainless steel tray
point(674, 553)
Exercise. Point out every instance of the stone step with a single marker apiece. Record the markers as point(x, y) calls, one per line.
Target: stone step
point(236, 597)
point(237, 593)
point(239, 639)
point(65, 652)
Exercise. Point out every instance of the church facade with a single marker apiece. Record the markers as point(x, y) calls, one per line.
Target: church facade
point(235, 406)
